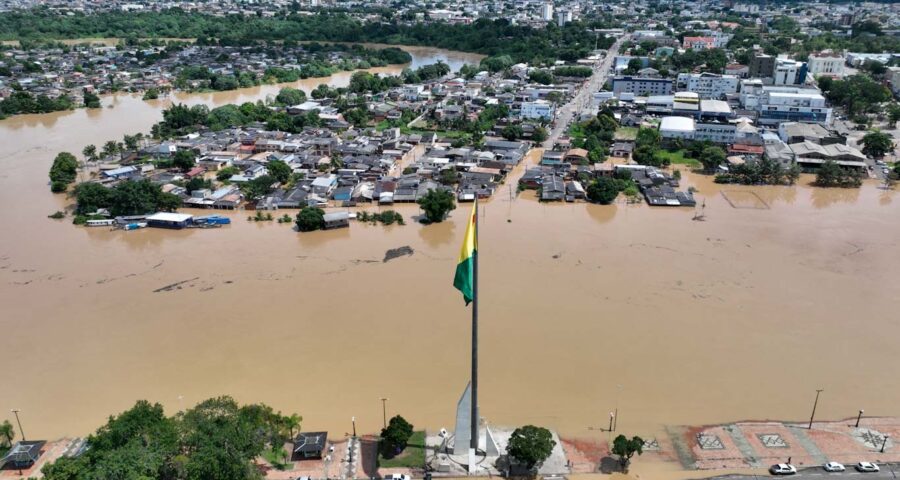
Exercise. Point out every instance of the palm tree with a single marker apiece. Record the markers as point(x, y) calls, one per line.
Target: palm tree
point(7, 433)
point(291, 423)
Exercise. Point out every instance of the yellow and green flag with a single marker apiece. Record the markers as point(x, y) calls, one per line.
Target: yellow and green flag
point(465, 269)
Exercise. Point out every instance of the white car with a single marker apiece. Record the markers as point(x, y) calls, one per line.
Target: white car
point(867, 467)
point(396, 476)
point(783, 469)
point(834, 467)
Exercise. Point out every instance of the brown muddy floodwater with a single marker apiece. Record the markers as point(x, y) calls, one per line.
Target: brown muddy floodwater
point(584, 308)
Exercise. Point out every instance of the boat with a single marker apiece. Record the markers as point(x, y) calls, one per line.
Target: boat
point(106, 222)
point(135, 226)
point(212, 220)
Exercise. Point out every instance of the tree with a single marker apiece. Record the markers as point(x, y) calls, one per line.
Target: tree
point(110, 148)
point(89, 197)
point(91, 100)
point(625, 449)
point(258, 187)
point(395, 436)
point(436, 204)
point(877, 143)
point(89, 152)
point(539, 135)
point(530, 445)
point(711, 157)
point(603, 190)
point(63, 171)
point(310, 219)
point(831, 174)
point(290, 96)
point(131, 141)
point(280, 170)
point(7, 433)
point(184, 160)
point(512, 132)
point(893, 113)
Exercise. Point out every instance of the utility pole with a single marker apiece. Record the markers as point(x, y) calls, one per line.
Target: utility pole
point(858, 417)
point(384, 410)
point(811, 417)
point(15, 412)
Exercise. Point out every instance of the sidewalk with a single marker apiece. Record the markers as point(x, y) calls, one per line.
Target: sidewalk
point(760, 444)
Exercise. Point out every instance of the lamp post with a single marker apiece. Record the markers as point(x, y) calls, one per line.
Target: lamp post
point(858, 417)
point(353, 419)
point(384, 410)
point(811, 417)
point(611, 417)
point(886, 437)
point(15, 412)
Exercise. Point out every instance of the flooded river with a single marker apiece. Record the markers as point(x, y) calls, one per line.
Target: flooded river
point(781, 290)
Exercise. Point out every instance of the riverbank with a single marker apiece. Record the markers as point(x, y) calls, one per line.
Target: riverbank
point(683, 452)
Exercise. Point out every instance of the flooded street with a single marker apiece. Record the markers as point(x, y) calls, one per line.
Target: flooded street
point(584, 308)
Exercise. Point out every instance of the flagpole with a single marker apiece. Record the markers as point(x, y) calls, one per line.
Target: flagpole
point(473, 446)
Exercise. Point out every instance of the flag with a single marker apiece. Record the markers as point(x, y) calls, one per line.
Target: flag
point(464, 279)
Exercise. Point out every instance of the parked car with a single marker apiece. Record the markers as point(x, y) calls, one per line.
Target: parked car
point(396, 476)
point(834, 467)
point(867, 467)
point(783, 469)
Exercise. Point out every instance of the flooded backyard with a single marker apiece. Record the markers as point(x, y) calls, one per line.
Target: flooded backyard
point(584, 308)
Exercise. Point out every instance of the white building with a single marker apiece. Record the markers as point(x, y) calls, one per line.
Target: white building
point(777, 104)
point(537, 110)
point(708, 85)
point(547, 12)
point(825, 64)
point(789, 72)
point(677, 127)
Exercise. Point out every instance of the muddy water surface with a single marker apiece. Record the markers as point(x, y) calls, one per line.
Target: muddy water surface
point(584, 308)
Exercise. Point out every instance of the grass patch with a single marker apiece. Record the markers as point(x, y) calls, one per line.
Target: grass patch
point(626, 133)
point(677, 158)
point(413, 456)
point(276, 457)
point(576, 131)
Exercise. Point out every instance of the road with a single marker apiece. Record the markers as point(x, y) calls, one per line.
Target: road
point(584, 96)
point(818, 473)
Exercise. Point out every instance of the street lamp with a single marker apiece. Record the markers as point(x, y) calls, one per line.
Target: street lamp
point(818, 391)
point(15, 412)
point(858, 417)
point(886, 437)
point(353, 419)
point(384, 410)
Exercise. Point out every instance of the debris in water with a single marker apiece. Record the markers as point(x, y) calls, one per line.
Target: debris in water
point(393, 253)
point(174, 286)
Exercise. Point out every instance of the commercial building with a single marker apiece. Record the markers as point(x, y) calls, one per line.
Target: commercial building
point(708, 85)
point(777, 104)
point(762, 66)
point(825, 64)
point(537, 110)
point(789, 72)
point(642, 86)
point(671, 128)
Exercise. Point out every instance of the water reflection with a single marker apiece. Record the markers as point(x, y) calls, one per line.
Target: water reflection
point(601, 213)
point(826, 197)
point(438, 234)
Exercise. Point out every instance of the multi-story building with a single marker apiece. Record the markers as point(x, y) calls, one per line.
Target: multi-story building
point(563, 17)
point(789, 72)
point(642, 86)
point(537, 110)
point(708, 85)
point(825, 64)
point(777, 104)
point(699, 43)
point(547, 12)
point(762, 66)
